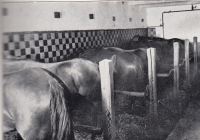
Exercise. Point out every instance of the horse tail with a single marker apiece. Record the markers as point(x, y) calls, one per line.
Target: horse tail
point(61, 117)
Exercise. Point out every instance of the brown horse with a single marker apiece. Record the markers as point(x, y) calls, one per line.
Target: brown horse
point(37, 105)
point(81, 76)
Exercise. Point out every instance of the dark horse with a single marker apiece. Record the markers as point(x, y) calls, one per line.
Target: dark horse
point(140, 52)
point(129, 72)
point(165, 52)
point(154, 39)
point(128, 67)
point(163, 46)
point(37, 105)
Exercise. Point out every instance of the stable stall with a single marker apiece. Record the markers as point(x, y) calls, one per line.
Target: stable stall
point(57, 31)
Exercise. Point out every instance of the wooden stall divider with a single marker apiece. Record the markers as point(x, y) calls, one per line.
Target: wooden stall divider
point(176, 70)
point(195, 39)
point(195, 50)
point(131, 93)
point(107, 91)
point(151, 54)
point(195, 73)
point(107, 87)
point(187, 62)
point(175, 97)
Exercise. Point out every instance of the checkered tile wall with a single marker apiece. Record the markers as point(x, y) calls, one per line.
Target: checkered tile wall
point(58, 46)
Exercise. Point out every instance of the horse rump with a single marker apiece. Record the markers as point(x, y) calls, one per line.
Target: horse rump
point(39, 107)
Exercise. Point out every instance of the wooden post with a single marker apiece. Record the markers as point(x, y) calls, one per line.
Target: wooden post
point(197, 47)
point(175, 97)
point(151, 54)
point(195, 74)
point(187, 62)
point(176, 70)
point(107, 90)
point(195, 50)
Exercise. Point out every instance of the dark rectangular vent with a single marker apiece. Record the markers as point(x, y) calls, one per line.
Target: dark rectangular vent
point(91, 16)
point(114, 18)
point(56, 14)
point(4, 11)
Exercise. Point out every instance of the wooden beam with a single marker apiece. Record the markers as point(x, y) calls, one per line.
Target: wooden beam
point(88, 129)
point(107, 91)
point(162, 74)
point(131, 93)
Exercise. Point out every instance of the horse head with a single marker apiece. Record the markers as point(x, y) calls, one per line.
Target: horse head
point(86, 77)
point(114, 60)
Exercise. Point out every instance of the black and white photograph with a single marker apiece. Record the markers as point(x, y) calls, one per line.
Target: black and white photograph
point(100, 70)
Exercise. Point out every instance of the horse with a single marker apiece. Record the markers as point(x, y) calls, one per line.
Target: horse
point(81, 76)
point(128, 68)
point(163, 46)
point(147, 39)
point(165, 52)
point(140, 52)
point(36, 103)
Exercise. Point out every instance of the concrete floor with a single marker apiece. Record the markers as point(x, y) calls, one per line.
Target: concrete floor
point(188, 127)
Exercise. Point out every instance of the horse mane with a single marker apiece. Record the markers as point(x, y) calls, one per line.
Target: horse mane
point(61, 117)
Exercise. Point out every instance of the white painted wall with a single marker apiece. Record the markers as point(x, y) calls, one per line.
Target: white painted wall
point(139, 13)
point(154, 14)
point(39, 16)
point(184, 25)
point(175, 26)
